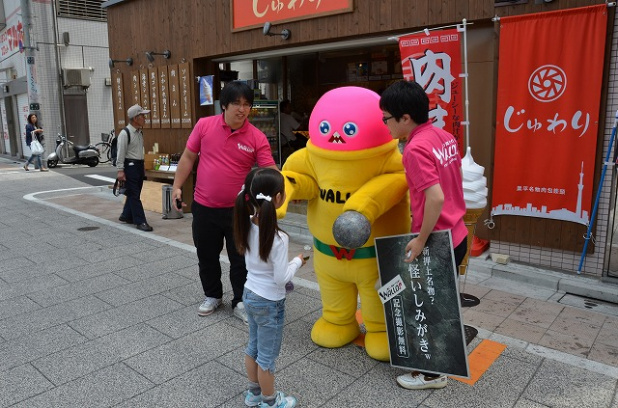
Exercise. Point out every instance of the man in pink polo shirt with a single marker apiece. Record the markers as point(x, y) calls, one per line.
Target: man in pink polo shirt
point(227, 146)
point(433, 171)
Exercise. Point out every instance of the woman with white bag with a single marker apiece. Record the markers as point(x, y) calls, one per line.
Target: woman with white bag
point(35, 144)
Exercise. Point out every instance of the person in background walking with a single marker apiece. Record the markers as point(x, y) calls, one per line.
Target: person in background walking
point(265, 247)
point(435, 183)
point(33, 129)
point(130, 164)
point(227, 146)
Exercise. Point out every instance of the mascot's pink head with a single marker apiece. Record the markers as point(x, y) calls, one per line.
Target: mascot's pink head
point(348, 119)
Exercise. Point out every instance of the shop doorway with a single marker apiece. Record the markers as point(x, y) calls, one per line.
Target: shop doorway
point(76, 117)
point(12, 124)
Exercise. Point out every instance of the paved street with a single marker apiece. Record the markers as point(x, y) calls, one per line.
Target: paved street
point(94, 313)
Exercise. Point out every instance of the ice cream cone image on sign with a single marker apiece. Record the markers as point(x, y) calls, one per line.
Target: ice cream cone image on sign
point(475, 196)
point(470, 219)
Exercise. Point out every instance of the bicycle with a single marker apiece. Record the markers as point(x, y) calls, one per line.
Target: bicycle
point(105, 148)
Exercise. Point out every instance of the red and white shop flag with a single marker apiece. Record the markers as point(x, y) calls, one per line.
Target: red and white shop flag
point(434, 61)
point(547, 120)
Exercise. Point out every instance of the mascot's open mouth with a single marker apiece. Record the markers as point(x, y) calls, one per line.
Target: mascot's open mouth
point(336, 139)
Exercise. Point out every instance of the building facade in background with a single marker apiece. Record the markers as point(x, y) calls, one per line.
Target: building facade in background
point(53, 62)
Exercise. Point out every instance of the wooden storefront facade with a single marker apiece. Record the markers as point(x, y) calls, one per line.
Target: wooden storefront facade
point(204, 39)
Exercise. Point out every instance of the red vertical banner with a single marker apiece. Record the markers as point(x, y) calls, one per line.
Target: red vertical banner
point(549, 90)
point(434, 61)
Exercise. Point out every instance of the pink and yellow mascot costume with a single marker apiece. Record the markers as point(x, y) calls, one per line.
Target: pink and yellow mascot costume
point(353, 179)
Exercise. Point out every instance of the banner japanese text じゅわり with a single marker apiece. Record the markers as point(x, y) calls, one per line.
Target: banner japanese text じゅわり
point(549, 88)
point(434, 61)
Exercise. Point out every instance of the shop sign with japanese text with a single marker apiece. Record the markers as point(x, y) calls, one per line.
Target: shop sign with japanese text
point(247, 14)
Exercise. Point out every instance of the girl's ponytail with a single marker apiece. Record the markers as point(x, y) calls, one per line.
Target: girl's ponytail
point(243, 209)
point(263, 190)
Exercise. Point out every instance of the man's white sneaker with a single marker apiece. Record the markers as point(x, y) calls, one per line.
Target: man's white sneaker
point(241, 313)
point(418, 381)
point(208, 306)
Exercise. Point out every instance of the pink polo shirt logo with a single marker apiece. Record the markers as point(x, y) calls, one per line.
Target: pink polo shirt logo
point(448, 153)
point(245, 148)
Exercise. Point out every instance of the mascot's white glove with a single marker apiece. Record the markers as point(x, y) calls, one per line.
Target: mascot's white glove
point(351, 229)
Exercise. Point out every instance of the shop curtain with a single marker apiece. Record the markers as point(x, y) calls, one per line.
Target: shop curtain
point(434, 61)
point(549, 87)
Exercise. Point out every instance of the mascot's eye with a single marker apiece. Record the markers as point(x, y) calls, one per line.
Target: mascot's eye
point(350, 129)
point(324, 127)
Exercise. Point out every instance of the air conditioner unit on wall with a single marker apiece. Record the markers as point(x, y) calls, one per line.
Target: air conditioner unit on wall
point(76, 77)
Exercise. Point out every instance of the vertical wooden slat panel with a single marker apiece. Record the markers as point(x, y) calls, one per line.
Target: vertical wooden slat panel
point(174, 86)
point(144, 87)
point(186, 83)
point(553, 230)
point(153, 84)
point(136, 93)
point(461, 10)
point(164, 97)
point(537, 232)
point(508, 230)
point(222, 24)
point(522, 229)
point(434, 11)
point(385, 14)
point(118, 99)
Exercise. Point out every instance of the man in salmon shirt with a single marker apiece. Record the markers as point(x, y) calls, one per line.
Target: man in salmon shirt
point(433, 172)
point(227, 146)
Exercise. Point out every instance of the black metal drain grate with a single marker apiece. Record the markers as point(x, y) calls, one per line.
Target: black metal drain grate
point(586, 303)
point(88, 228)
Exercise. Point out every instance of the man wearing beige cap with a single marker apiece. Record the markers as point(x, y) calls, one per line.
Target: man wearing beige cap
point(130, 163)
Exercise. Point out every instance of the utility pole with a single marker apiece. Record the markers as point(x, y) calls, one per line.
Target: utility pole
point(31, 75)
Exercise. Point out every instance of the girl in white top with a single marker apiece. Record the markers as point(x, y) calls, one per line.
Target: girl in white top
point(265, 247)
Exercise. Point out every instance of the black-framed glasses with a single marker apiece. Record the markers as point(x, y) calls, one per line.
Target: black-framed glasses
point(387, 119)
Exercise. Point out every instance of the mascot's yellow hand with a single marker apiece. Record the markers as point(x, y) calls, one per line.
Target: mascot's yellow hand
point(290, 188)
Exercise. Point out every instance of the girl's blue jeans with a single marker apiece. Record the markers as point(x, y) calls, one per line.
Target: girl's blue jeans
point(266, 319)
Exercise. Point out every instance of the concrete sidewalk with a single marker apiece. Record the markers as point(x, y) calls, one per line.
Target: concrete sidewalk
point(94, 313)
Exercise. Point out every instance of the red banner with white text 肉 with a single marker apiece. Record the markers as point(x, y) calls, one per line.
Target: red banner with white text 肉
point(549, 87)
point(434, 61)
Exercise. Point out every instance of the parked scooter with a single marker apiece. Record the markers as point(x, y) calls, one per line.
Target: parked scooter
point(80, 154)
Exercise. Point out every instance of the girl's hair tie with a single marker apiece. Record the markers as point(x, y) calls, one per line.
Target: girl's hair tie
point(263, 197)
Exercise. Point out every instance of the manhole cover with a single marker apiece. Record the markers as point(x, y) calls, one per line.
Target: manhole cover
point(468, 300)
point(88, 228)
point(594, 305)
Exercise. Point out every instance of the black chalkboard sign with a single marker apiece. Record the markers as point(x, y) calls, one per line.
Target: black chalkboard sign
point(421, 305)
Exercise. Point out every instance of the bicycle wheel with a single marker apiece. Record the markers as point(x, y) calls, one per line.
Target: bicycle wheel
point(105, 152)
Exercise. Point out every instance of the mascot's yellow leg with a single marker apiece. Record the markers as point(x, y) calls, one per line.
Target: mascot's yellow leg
point(376, 345)
point(376, 340)
point(337, 326)
point(331, 335)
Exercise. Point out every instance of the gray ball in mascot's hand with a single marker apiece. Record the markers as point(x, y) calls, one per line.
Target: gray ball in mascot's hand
point(351, 230)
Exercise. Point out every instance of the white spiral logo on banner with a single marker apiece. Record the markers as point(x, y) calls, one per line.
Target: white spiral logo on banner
point(547, 83)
